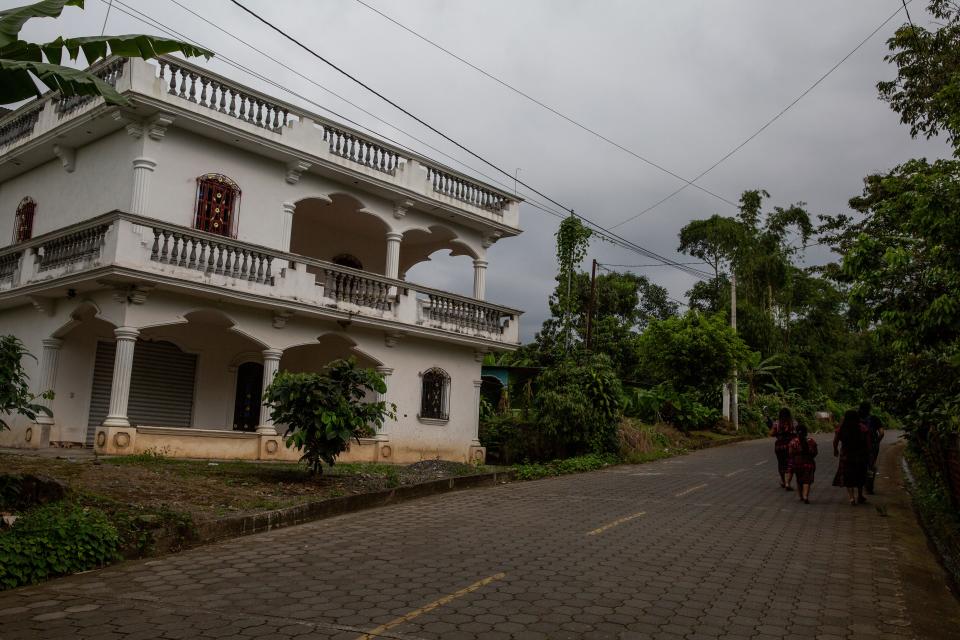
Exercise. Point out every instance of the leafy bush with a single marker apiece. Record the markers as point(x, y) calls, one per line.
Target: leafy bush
point(15, 396)
point(53, 540)
point(578, 404)
point(662, 404)
point(323, 411)
point(579, 464)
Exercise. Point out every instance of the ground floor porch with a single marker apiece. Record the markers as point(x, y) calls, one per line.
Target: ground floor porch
point(139, 371)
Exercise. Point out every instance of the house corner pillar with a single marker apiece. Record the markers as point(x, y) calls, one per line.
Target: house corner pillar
point(271, 364)
point(122, 371)
point(143, 169)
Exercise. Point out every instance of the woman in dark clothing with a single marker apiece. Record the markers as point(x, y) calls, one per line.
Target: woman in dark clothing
point(803, 453)
point(783, 431)
point(851, 443)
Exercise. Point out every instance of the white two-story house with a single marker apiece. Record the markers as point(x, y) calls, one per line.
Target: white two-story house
point(164, 260)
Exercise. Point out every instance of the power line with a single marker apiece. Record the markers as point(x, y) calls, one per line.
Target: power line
point(540, 103)
point(640, 266)
point(604, 232)
point(613, 238)
point(770, 121)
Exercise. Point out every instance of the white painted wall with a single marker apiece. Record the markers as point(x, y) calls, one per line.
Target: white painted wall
point(102, 181)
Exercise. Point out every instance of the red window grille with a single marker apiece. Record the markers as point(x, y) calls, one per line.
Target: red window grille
point(23, 222)
point(218, 198)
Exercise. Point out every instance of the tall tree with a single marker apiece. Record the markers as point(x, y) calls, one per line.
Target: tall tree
point(926, 91)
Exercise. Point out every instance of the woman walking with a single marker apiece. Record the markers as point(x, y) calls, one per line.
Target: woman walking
point(803, 454)
point(851, 443)
point(783, 431)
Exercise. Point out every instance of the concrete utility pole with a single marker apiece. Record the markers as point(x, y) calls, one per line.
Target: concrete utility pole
point(593, 296)
point(734, 401)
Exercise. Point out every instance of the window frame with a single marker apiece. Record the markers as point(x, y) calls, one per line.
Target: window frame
point(22, 222)
point(445, 382)
point(202, 205)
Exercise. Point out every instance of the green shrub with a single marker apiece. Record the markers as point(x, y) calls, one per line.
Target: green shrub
point(579, 464)
point(578, 404)
point(323, 411)
point(662, 404)
point(53, 540)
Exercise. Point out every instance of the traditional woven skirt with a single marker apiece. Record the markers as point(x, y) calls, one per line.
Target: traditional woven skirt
point(852, 470)
point(783, 457)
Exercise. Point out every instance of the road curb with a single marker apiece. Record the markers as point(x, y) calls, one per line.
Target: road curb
point(244, 525)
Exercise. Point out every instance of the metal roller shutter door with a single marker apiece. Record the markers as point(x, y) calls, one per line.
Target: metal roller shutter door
point(102, 381)
point(161, 386)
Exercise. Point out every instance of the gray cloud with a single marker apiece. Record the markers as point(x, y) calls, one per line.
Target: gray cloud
point(681, 83)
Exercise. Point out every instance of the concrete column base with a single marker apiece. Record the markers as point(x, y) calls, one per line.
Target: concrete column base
point(36, 436)
point(115, 440)
point(477, 454)
point(272, 446)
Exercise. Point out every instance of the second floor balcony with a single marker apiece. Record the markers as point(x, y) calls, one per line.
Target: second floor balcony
point(122, 248)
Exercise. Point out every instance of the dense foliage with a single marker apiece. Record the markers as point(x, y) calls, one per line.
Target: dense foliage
point(15, 396)
point(578, 405)
point(323, 411)
point(53, 540)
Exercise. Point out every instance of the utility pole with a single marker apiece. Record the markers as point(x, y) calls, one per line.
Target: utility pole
point(734, 400)
point(593, 296)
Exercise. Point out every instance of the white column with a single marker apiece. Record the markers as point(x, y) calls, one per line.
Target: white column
point(142, 169)
point(271, 364)
point(476, 411)
point(392, 269)
point(122, 370)
point(49, 362)
point(382, 397)
point(479, 278)
point(286, 225)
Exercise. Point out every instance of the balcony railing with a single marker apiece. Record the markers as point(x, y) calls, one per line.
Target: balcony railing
point(179, 255)
point(316, 140)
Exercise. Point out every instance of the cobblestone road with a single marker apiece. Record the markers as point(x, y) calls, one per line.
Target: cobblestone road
point(701, 546)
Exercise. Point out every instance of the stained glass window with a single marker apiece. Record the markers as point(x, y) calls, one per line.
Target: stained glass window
point(218, 198)
point(434, 402)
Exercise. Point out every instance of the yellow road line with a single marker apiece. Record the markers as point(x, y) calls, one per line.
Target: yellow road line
point(615, 523)
point(690, 490)
point(733, 473)
point(373, 633)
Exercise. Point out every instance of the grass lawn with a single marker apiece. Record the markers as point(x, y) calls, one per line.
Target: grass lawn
point(205, 490)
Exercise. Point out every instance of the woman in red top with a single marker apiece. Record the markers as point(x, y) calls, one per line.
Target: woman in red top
point(783, 431)
point(803, 454)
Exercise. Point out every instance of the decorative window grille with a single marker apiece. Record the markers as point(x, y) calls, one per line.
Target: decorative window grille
point(435, 397)
point(23, 222)
point(218, 200)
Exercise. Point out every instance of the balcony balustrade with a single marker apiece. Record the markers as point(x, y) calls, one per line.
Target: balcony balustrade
point(143, 248)
point(186, 87)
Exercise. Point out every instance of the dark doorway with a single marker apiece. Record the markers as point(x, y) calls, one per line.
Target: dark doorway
point(246, 412)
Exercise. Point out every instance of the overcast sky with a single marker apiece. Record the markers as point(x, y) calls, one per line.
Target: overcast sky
point(680, 83)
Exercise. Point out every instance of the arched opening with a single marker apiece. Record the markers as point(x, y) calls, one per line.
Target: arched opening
point(492, 390)
point(435, 394)
point(339, 231)
point(436, 258)
point(313, 357)
point(206, 373)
